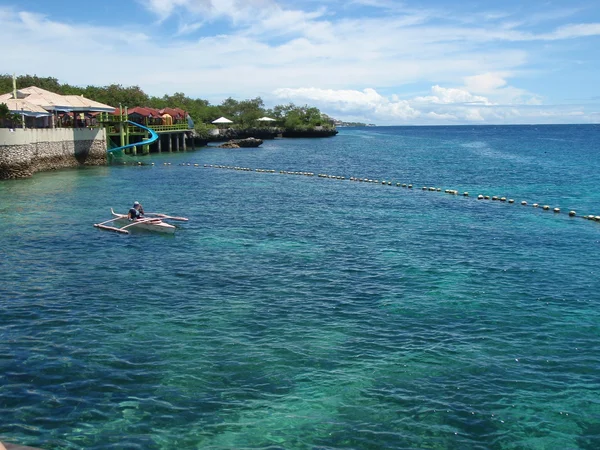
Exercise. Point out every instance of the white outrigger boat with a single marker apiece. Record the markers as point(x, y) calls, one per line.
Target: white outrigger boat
point(150, 222)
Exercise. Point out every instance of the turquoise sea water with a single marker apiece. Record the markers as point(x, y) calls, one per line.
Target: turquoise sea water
point(298, 312)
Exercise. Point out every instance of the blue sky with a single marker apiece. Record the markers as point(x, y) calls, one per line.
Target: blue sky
point(377, 61)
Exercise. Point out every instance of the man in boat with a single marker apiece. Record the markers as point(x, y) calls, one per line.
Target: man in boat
point(136, 211)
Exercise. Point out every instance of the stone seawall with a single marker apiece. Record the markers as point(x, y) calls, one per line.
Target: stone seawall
point(24, 152)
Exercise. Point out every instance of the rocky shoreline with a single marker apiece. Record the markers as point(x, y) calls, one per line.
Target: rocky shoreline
point(26, 152)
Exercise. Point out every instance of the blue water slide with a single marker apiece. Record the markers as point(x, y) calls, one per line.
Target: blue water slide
point(153, 137)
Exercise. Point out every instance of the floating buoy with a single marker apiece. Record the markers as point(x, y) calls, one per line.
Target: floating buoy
point(535, 205)
point(556, 210)
point(480, 197)
point(524, 203)
point(572, 213)
point(398, 184)
point(545, 207)
point(410, 186)
point(424, 188)
point(597, 218)
point(510, 200)
point(465, 194)
point(494, 198)
point(487, 197)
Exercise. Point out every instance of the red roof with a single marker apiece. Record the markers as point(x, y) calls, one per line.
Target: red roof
point(176, 113)
point(142, 111)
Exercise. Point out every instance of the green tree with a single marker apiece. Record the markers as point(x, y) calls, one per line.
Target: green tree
point(8, 118)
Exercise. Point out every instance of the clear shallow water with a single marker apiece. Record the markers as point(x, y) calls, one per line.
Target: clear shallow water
point(295, 312)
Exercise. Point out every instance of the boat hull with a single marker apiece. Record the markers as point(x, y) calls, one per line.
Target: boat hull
point(158, 226)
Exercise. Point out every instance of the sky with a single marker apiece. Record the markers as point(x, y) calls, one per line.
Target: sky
point(385, 62)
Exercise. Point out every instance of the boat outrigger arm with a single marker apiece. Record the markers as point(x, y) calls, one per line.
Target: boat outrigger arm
point(150, 222)
point(153, 138)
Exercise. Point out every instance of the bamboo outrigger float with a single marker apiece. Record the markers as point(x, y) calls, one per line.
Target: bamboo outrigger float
point(150, 222)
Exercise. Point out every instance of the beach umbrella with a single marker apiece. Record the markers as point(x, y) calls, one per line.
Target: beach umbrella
point(222, 120)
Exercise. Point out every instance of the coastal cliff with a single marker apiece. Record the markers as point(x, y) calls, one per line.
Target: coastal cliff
point(26, 151)
point(309, 133)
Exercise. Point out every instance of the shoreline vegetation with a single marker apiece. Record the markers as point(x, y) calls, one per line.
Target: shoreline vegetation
point(290, 120)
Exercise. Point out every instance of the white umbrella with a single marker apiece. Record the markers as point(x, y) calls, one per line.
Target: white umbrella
point(266, 119)
point(222, 120)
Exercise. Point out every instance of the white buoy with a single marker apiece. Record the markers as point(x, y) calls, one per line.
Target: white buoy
point(494, 198)
point(480, 197)
point(503, 199)
point(572, 213)
point(410, 186)
point(524, 203)
point(535, 205)
point(465, 194)
point(487, 197)
point(556, 210)
point(510, 200)
point(545, 207)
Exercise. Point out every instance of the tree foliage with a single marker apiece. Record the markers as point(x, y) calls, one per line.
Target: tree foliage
point(7, 116)
point(243, 113)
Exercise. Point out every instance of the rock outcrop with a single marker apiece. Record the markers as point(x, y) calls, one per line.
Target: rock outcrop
point(242, 143)
point(234, 133)
point(308, 133)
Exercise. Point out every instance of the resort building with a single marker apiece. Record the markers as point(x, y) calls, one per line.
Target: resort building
point(43, 130)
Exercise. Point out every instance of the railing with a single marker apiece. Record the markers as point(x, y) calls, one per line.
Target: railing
point(110, 119)
point(174, 127)
point(112, 129)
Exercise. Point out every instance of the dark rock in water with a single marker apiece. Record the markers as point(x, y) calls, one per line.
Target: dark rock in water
point(315, 133)
point(234, 133)
point(229, 144)
point(242, 143)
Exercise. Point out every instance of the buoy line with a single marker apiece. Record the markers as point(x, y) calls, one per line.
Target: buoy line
point(383, 182)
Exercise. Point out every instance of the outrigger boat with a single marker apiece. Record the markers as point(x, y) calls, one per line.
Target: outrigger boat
point(150, 222)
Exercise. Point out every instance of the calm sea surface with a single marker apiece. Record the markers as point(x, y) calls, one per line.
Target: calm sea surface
point(297, 312)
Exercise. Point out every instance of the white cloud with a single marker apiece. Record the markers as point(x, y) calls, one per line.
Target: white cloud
point(452, 95)
point(573, 31)
point(367, 101)
point(444, 106)
point(485, 82)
